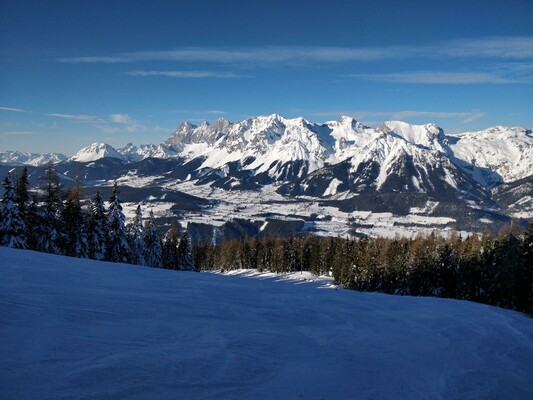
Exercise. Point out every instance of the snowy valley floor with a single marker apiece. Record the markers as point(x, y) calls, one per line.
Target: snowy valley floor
point(80, 329)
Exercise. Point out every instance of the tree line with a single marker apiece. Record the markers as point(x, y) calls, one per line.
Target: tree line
point(57, 222)
point(487, 268)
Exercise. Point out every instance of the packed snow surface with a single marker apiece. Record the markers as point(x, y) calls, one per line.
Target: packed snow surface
point(72, 328)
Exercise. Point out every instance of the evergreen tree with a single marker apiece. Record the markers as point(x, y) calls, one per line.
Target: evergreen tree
point(528, 266)
point(12, 226)
point(49, 237)
point(137, 240)
point(170, 247)
point(154, 251)
point(21, 192)
point(76, 243)
point(97, 228)
point(33, 222)
point(118, 249)
point(289, 255)
point(185, 260)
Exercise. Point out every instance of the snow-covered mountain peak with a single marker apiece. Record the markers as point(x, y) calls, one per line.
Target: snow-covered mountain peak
point(428, 135)
point(95, 152)
point(138, 153)
point(33, 159)
point(493, 155)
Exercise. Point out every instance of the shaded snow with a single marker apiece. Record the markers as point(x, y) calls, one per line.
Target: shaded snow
point(74, 328)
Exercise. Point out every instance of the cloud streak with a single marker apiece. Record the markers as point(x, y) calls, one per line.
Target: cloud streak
point(188, 74)
point(439, 78)
point(77, 117)
point(12, 109)
point(519, 48)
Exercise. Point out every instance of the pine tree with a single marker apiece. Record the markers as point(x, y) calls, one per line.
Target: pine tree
point(137, 240)
point(33, 222)
point(185, 260)
point(118, 249)
point(289, 255)
point(76, 243)
point(154, 250)
point(21, 192)
point(97, 228)
point(49, 238)
point(12, 226)
point(170, 247)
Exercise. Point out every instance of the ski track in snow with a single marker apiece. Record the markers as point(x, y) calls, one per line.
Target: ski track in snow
point(72, 328)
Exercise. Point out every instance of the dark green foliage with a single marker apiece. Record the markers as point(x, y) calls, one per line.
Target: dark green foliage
point(118, 249)
point(488, 269)
point(170, 247)
point(185, 260)
point(97, 228)
point(12, 224)
point(154, 250)
point(50, 230)
point(75, 233)
point(22, 196)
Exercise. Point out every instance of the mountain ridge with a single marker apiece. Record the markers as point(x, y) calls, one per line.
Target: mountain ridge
point(474, 178)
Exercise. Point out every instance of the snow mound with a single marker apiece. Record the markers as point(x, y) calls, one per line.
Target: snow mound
point(73, 328)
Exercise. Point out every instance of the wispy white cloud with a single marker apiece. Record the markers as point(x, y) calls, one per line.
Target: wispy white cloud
point(188, 74)
point(491, 47)
point(124, 122)
point(121, 119)
point(77, 117)
point(268, 54)
point(465, 117)
point(518, 47)
point(473, 117)
point(12, 109)
point(439, 78)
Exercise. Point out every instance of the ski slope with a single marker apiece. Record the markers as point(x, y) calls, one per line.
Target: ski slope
point(72, 328)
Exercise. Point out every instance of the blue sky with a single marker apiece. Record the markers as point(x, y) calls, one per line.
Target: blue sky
point(73, 72)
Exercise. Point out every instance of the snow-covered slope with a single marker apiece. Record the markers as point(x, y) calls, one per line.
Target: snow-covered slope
point(73, 328)
point(494, 155)
point(33, 159)
point(95, 152)
point(427, 136)
point(138, 153)
point(407, 158)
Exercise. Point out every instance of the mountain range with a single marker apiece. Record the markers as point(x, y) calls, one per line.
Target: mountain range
point(395, 168)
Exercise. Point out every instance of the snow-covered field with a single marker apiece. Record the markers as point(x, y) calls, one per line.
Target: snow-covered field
point(81, 329)
point(254, 205)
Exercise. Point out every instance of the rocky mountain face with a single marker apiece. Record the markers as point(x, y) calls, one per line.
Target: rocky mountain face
point(394, 167)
